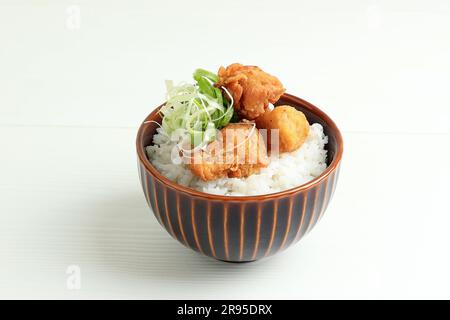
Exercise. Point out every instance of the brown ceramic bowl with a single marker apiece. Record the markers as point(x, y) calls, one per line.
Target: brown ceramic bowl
point(241, 228)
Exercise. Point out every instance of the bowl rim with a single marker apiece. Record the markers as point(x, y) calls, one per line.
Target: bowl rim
point(290, 99)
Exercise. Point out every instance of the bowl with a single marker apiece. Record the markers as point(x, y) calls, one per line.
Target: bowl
point(240, 228)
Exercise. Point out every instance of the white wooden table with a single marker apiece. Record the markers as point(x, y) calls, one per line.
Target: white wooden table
point(77, 79)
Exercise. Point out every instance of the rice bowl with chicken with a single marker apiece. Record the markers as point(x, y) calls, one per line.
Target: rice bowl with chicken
point(221, 136)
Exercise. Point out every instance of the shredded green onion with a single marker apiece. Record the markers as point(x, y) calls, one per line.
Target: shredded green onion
point(197, 110)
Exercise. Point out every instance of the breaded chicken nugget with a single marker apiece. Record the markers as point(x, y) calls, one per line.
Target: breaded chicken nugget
point(238, 151)
point(292, 124)
point(252, 89)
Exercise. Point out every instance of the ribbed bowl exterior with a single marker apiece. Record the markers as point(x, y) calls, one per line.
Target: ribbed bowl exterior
point(240, 229)
point(237, 231)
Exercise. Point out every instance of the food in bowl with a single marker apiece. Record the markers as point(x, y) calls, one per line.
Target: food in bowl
point(222, 135)
point(228, 227)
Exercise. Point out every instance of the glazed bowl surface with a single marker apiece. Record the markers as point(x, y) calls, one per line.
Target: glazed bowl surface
point(240, 228)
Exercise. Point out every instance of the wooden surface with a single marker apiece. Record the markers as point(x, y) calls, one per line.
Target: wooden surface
point(71, 101)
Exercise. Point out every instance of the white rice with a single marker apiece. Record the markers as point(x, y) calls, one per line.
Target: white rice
point(285, 171)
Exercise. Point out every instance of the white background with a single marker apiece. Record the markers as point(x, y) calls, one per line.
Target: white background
point(72, 97)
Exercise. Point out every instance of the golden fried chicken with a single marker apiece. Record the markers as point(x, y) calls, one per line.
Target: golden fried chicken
point(292, 125)
point(252, 89)
point(238, 151)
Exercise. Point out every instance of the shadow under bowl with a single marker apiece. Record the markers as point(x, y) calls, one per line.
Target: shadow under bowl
point(240, 228)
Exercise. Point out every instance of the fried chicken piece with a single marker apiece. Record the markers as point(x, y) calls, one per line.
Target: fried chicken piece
point(237, 152)
point(252, 89)
point(292, 124)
